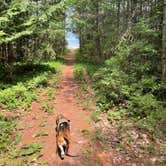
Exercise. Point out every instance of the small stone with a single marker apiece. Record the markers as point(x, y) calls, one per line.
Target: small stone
point(153, 159)
point(134, 164)
point(80, 142)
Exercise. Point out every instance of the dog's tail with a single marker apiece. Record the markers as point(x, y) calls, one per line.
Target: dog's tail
point(70, 155)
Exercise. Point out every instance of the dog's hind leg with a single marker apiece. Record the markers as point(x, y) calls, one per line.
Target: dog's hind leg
point(62, 151)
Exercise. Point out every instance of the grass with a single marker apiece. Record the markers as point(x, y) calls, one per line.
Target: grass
point(50, 94)
point(84, 70)
point(47, 108)
point(87, 152)
point(96, 115)
point(41, 133)
point(28, 77)
point(85, 132)
point(28, 154)
point(7, 136)
point(28, 149)
point(43, 123)
point(83, 73)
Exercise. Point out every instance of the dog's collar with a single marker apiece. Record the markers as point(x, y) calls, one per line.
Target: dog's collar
point(60, 122)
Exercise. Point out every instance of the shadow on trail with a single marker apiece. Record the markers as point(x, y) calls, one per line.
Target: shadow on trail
point(23, 72)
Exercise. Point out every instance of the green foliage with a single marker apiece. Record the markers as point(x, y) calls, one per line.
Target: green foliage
point(42, 133)
point(7, 125)
point(21, 93)
point(113, 116)
point(38, 81)
point(78, 72)
point(84, 70)
point(16, 96)
point(47, 108)
point(96, 115)
point(156, 120)
point(110, 83)
point(142, 105)
point(30, 31)
point(43, 123)
point(29, 149)
point(131, 79)
point(141, 98)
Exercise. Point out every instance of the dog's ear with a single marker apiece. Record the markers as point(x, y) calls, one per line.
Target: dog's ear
point(57, 120)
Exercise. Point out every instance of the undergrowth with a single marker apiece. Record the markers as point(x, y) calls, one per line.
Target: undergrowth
point(9, 137)
point(120, 94)
point(21, 92)
point(28, 81)
point(8, 126)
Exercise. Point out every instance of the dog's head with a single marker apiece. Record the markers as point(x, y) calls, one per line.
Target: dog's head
point(62, 122)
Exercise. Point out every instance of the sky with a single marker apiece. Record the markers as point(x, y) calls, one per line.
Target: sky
point(72, 40)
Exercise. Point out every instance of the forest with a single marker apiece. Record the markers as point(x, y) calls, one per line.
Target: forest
point(119, 70)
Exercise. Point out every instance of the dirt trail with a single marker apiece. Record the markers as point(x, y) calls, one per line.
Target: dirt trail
point(65, 102)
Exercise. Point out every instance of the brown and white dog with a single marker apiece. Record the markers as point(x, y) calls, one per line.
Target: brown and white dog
point(62, 135)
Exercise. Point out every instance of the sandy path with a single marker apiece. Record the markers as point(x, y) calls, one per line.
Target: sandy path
point(66, 103)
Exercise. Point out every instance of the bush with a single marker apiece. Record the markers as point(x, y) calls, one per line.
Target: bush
point(142, 98)
point(111, 84)
point(79, 72)
point(157, 120)
point(16, 96)
point(142, 105)
point(38, 81)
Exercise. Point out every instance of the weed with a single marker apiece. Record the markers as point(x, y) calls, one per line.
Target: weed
point(129, 140)
point(87, 152)
point(16, 96)
point(34, 118)
point(55, 79)
point(29, 78)
point(96, 115)
point(43, 123)
point(86, 103)
point(7, 133)
point(50, 94)
point(79, 94)
point(85, 133)
point(28, 150)
point(115, 115)
point(41, 133)
point(148, 148)
point(47, 108)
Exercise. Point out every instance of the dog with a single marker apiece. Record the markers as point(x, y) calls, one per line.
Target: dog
point(62, 135)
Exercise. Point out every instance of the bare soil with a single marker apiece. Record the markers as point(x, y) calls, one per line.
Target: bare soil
point(66, 103)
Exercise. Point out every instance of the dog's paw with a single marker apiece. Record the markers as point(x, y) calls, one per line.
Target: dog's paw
point(62, 156)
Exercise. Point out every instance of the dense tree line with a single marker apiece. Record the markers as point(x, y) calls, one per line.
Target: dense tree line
point(30, 30)
point(105, 25)
point(131, 36)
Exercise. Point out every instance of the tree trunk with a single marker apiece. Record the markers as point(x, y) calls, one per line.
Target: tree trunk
point(164, 43)
point(118, 16)
point(10, 58)
point(10, 53)
point(98, 40)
